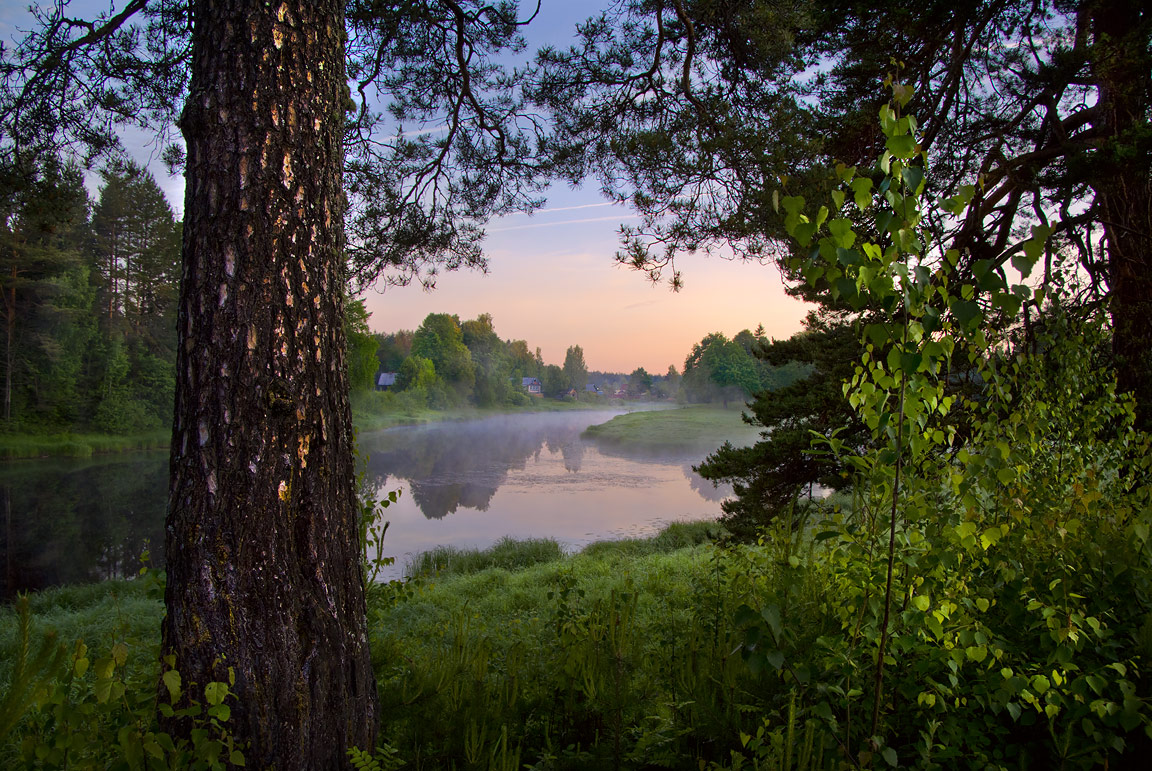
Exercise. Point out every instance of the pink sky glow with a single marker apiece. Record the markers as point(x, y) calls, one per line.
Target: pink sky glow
point(552, 282)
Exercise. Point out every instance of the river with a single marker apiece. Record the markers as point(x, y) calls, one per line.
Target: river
point(461, 484)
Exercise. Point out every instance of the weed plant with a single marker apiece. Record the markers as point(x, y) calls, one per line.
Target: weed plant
point(66, 703)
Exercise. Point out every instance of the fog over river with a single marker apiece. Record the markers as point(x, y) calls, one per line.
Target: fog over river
point(461, 484)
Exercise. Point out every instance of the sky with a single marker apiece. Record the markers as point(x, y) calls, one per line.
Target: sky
point(552, 280)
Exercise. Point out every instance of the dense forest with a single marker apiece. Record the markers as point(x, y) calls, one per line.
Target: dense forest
point(89, 292)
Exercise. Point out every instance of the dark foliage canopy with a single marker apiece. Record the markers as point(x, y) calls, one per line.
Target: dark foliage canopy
point(699, 113)
point(438, 136)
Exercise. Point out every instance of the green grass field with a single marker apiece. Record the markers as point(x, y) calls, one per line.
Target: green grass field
point(685, 427)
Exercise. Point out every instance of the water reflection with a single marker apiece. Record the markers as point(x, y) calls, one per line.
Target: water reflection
point(528, 476)
point(519, 475)
point(448, 466)
point(69, 521)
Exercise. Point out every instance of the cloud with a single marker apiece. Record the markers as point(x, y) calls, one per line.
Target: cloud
point(534, 225)
point(644, 304)
point(573, 208)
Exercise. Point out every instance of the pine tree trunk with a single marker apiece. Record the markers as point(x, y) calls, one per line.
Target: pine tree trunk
point(262, 539)
point(1123, 184)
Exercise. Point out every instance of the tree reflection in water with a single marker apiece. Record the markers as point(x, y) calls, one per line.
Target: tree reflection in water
point(452, 465)
point(76, 521)
point(448, 466)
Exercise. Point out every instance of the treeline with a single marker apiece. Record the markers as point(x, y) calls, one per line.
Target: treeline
point(89, 299)
point(722, 370)
point(448, 363)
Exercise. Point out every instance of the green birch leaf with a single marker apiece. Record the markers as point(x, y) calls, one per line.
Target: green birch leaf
point(901, 146)
point(848, 257)
point(841, 230)
point(884, 220)
point(966, 312)
point(913, 177)
point(171, 680)
point(771, 614)
point(847, 288)
point(215, 692)
point(793, 204)
point(803, 232)
point(862, 192)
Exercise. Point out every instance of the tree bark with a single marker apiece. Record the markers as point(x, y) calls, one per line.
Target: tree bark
point(262, 539)
point(1122, 66)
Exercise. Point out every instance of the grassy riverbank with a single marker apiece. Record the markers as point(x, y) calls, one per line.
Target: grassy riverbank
point(69, 445)
point(446, 647)
point(685, 427)
point(368, 417)
point(19, 446)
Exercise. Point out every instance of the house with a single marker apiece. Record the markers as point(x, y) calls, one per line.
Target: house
point(385, 381)
point(532, 386)
point(593, 389)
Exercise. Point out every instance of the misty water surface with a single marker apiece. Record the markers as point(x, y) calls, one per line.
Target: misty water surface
point(462, 483)
point(528, 476)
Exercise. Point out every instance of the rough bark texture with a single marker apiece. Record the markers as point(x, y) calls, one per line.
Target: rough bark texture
point(262, 538)
point(1123, 72)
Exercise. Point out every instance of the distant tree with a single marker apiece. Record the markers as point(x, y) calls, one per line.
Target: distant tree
point(494, 381)
point(522, 361)
point(43, 211)
point(479, 334)
point(393, 348)
point(719, 368)
point(554, 382)
point(749, 340)
point(57, 353)
point(639, 382)
point(768, 476)
point(136, 255)
point(362, 345)
point(440, 340)
point(416, 374)
point(575, 370)
point(667, 386)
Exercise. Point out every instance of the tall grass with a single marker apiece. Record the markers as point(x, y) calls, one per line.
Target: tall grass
point(507, 553)
point(517, 554)
point(624, 655)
